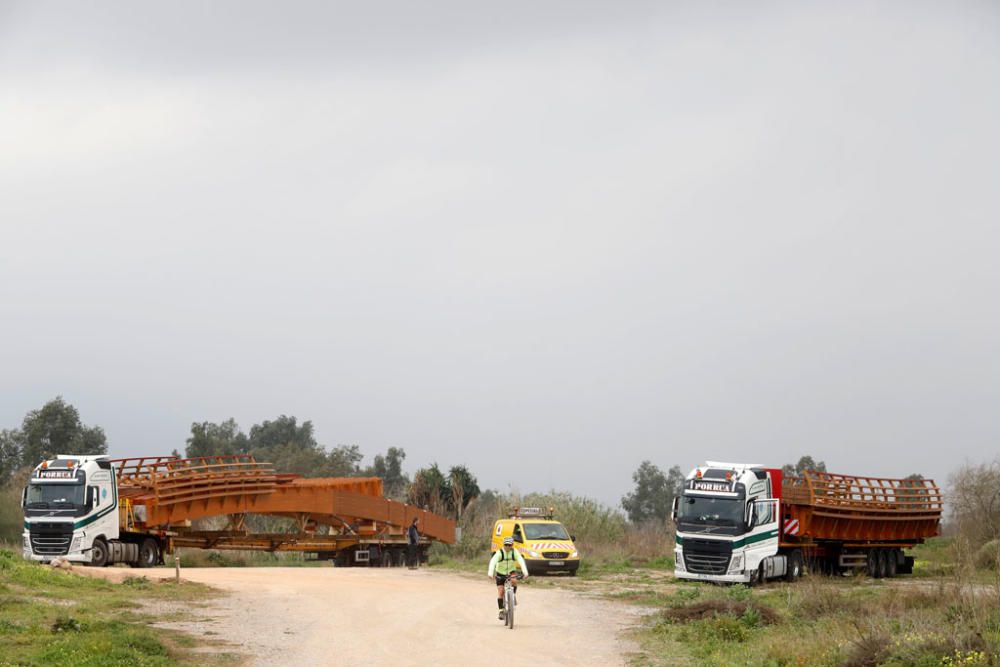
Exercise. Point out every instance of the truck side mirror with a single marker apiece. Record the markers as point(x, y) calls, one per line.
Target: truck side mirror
point(572, 538)
point(24, 497)
point(91, 496)
point(673, 508)
point(751, 515)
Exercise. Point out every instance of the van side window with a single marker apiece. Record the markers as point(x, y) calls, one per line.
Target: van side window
point(517, 533)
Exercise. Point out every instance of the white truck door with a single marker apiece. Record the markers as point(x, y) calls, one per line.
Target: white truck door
point(762, 539)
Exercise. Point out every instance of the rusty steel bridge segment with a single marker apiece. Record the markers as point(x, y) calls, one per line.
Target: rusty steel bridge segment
point(164, 494)
point(861, 511)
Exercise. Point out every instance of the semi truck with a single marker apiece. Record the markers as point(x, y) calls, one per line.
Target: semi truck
point(100, 511)
point(745, 523)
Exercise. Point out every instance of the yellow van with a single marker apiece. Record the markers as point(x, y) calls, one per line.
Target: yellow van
point(542, 541)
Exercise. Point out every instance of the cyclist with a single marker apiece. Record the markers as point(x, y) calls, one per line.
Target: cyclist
point(504, 563)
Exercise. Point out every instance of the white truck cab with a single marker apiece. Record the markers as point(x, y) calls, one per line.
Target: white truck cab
point(727, 521)
point(71, 512)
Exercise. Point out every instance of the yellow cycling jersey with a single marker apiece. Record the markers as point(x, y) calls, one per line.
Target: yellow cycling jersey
point(505, 562)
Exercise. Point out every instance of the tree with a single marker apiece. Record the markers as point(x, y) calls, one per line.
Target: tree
point(343, 461)
point(284, 430)
point(430, 490)
point(56, 429)
point(654, 493)
point(805, 463)
point(10, 454)
point(974, 497)
point(209, 439)
point(390, 469)
point(464, 489)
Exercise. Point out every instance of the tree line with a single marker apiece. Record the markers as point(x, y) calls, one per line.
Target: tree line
point(290, 445)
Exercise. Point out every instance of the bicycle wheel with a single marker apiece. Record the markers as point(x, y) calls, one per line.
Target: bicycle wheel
point(509, 603)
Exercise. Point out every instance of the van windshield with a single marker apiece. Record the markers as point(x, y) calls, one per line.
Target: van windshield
point(545, 531)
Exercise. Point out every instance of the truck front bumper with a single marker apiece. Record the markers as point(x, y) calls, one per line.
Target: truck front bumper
point(542, 565)
point(731, 578)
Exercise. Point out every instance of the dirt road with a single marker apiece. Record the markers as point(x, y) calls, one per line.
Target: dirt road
point(332, 616)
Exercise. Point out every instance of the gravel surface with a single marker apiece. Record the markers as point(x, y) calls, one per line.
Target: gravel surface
point(356, 616)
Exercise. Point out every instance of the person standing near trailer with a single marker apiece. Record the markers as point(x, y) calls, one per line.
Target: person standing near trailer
point(412, 540)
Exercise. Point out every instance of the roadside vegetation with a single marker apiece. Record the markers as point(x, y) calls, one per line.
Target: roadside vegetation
point(53, 618)
point(835, 621)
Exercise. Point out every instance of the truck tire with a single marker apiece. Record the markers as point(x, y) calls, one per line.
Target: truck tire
point(892, 563)
point(99, 553)
point(871, 563)
point(883, 564)
point(794, 570)
point(149, 553)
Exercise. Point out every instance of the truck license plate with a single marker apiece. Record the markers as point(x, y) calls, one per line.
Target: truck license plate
point(556, 563)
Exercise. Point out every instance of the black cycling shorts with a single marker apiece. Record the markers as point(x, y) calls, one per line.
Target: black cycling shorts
point(501, 578)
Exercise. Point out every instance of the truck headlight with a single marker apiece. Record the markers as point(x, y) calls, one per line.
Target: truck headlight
point(534, 554)
point(679, 561)
point(575, 554)
point(736, 564)
point(26, 543)
point(77, 543)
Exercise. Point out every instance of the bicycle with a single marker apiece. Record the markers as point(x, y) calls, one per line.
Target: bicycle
point(509, 599)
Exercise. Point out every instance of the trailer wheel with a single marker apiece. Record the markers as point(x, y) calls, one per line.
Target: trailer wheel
point(149, 553)
point(871, 564)
point(99, 553)
point(794, 570)
point(892, 563)
point(883, 563)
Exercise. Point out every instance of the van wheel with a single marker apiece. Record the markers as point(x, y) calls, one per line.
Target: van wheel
point(99, 553)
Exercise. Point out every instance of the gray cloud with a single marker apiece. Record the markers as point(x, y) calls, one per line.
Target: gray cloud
point(571, 237)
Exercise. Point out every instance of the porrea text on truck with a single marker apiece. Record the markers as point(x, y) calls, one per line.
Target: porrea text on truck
point(100, 511)
point(744, 523)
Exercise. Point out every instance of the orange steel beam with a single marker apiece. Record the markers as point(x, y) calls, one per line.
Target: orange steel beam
point(173, 491)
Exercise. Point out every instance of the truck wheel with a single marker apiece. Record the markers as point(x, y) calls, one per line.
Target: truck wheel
point(99, 553)
point(883, 563)
point(891, 563)
point(794, 570)
point(758, 578)
point(872, 564)
point(149, 553)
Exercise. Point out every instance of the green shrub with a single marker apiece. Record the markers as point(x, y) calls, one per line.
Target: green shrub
point(988, 555)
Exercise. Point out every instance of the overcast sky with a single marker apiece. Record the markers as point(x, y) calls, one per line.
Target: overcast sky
point(547, 240)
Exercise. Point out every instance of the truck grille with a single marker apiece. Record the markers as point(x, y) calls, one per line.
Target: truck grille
point(707, 556)
point(50, 539)
point(558, 555)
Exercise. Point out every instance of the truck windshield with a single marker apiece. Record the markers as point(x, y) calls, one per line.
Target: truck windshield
point(702, 511)
point(55, 496)
point(545, 531)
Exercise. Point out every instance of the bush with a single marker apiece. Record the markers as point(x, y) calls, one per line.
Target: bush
point(988, 555)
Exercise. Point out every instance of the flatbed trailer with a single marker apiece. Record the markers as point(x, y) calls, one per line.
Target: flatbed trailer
point(136, 510)
point(848, 521)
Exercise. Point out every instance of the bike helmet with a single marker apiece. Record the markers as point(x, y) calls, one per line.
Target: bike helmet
point(508, 541)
